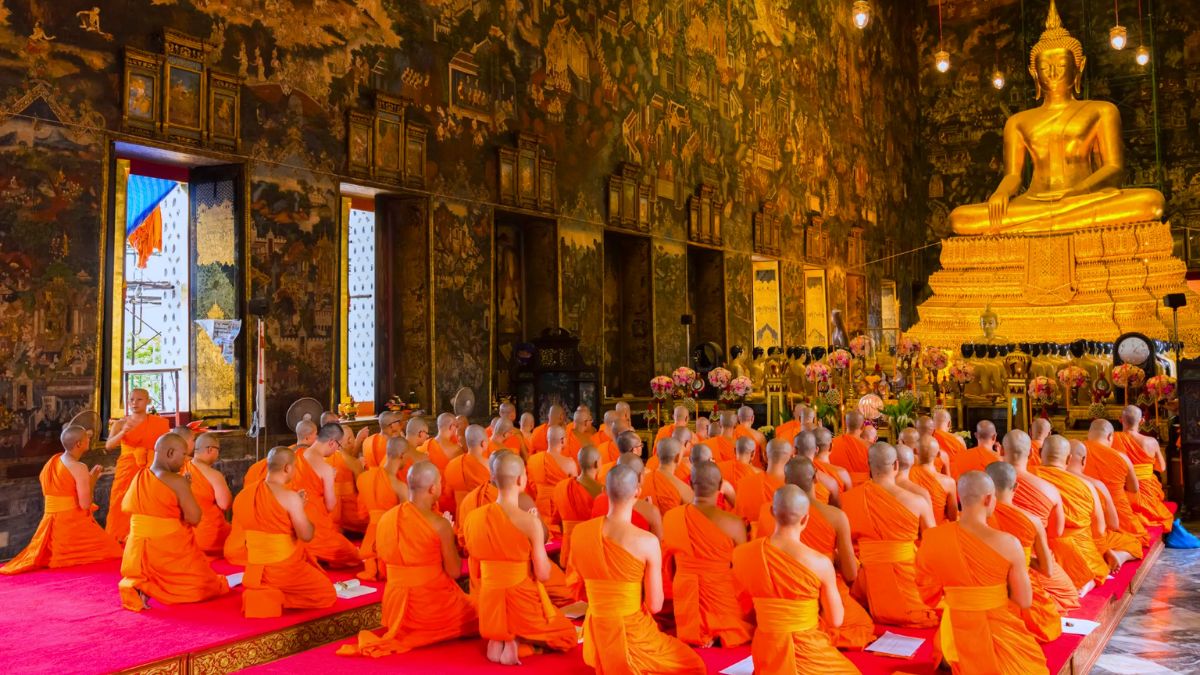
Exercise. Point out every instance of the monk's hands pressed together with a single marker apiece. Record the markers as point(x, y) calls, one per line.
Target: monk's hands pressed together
point(303, 496)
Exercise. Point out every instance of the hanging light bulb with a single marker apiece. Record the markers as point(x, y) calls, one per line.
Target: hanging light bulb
point(1142, 56)
point(861, 11)
point(1118, 37)
point(998, 79)
point(941, 60)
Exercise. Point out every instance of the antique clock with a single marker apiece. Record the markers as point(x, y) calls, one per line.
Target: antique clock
point(1136, 350)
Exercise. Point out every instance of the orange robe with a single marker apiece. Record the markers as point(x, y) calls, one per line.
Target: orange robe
point(857, 629)
point(975, 459)
point(137, 447)
point(512, 604)
point(619, 634)
point(1149, 504)
point(572, 505)
point(1035, 453)
point(1108, 465)
point(421, 603)
point(600, 509)
point(723, 449)
point(601, 436)
point(850, 453)
point(1058, 584)
point(830, 470)
point(67, 534)
point(463, 474)
point(706, 601)
point(347, 514)
point(982, 630)
point(235, 542)
point(213, 527)
point(759, 450)
point(544, 474)
point(161, 558)
point(437, 454)
point(788, 430)
point(280, 571)
point(752, 492)
point(1076, 549)
point(665, 433)
point(922, 477)
point(608, 452)
point(951, 444)
point(480, 496)
point(661, 491)
point(885, 532)
point(255, 472)
point(1042, 618)
point(734, 471)
point(376, 495)
point(538, 441)
point(374, 450)
point(786, 597)
point(328, 544)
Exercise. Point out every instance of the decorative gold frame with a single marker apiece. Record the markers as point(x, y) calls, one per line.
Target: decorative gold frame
point(142, 67)
point(525, 178)
point(629, 199)
point(224, 90)
point(414, 154)
point(360, 160)
point(768, 230)
point(704, 215)
point(389, 146)
point(184, 54)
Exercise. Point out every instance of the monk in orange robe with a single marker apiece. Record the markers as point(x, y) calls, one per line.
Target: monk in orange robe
point(726, 493)
point(379, 490)
point(573, 498)
point(828, 488)
point(905, 459)
point(68, 534)
point(444, 446)
point(161, 559)
point(1116, 546)
point(518, 439)
point(645, 514)
point(978, 574)
point(661, 485)
point(683, 470)
point(135, 434)
point(755, 490)
point(416, 435)
point(745, 429)
point(1144, 453)
point(828, 533)
point(508, 544)
point(885, 522)
point(793, 588)
point(315, 476)
point(547, 469)
point(1043, 617)
point(942, 492)
point(502, 436)
point(465, 472)
point(306, 435)
point(348, 513)
point(280, 571)
point(699, 538)
point(723, 441)
point(556, 417)
point(482, 496)
point(948, 441)
point(680, 421)
point(978, 457)
point(620, 565)
point(1039, 431)
point(849, 450)
point(212, 494)
point(1076, 548)
point(1040, 500)
point(422, 604)
point(1117, 472)
point(735, 470)
point(788, 430)
point(604, 433)
point(374, 447)
point(821, 461)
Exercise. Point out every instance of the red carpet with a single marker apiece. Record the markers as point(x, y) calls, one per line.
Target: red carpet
point(71, 621)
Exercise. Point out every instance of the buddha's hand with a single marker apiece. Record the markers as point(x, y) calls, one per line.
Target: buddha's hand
point(1051, 195)
point(997, 209)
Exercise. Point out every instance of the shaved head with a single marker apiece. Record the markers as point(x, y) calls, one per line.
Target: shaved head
point(854, 420)
point(806, 444)
point(1130, 415)
point(327, 417)
point(1003, 476)
point(632, 461)
point(789, 506)
point(680, 415)
point(475, 436)
point(509, 470)
point(909, 437)
point(985, 430)
point(1017, 444)
point(1040, 428)
point(184, 432)
point(415, 426)
point(305, 429)
point(445, 421)
point(745, 414)
point(556, 414)
point(589, 457)
point(622, 484)
point(706, 478)
point(881, 457)
point(627, 442)
point(824, 438)
point(668, 450)
point(799, 471)
point(279, 458)
point(1054, 450)
point(701, 453)
point(168, 444)
point(207, 440)
point(925, 425)
point(927, 449)
point(744, 446)
point(501, 427)
point(387, 418)
point(396, 447)
point(904, 457)
point(1100, 430)
point(422, 475)
point(555, 436)
point(71, 436)
point(1078, 450)
point(778, 451)
point(622, 409)
point(729, 419)
point(973, 487)
point(610, 416)
point(682, 434)
point(507, 410)
point(941, 416)
point(330, 433)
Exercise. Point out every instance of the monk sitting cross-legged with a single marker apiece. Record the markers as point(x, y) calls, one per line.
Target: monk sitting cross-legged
point(661, 485)
point(723, 440)
point(374, 447)
point(555, 417)
point(211, 493)
point(942, 492)
point(509, 545)
point(824, 439)
point(1116, 546)
point(620, 565)
point(444, 446)
point(745, 429)
point(788, 430)
point(679, 420)
point(379, 489)
point(978, 457)
point(67, 534)
point(135, 434)
point(849, 450)
point(161, 559)
point(1144, 453)
point(306, 435)
point(736, 469)
point(422, 604)
point(793, 588)
point(645, 514)
point(1117, 472)
point(949, 442)
point(726, 494)
point(547, 469)
point(573, 498)
point(280, 570)
point(315, 477)
point(828, 532)
point(483, 495)
point(348, 513)
point(828, 488)
point(699, 538)
point(1075, 548)
point(1039, 431)
point(579, 433)
point(755, 490)
point(885, 521)
point(905, 459)
point(978, 574)
point(1042, 617)
point(467, 471)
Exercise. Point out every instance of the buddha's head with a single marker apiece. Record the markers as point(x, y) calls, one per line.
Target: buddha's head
point(988, 321)
point(1056, 62)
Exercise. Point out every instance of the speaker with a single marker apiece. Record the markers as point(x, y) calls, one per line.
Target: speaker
point(1175, 300)
point(259, 306)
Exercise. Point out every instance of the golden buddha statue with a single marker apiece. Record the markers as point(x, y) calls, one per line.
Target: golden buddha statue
point(1076, 152)
point(989, 322)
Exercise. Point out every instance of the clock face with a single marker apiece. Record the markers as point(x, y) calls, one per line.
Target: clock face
point(1134, 350)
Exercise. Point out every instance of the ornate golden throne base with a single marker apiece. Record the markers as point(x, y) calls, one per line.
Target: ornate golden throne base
point(1093, 284)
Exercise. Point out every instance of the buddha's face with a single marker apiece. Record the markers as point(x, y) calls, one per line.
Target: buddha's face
point(1057, 72)
point(988, 323)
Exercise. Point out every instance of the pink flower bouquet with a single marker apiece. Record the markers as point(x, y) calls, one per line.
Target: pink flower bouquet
point(1042, 391)
point(962, 373)
point(1160, 387)
point(741, 387)
point(840, 359)
point(661, 386)
point(683, 377)
point(861, 346)
point(817, 372)
point(1128, 375)
point(933, 358)
point(719, 378)
point(1073, 377)
point(907, 347)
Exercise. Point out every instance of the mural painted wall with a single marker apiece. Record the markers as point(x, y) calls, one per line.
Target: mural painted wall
point(768, 101)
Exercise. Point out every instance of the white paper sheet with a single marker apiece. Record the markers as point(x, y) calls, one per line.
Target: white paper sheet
point(892, 644)
point(575, 610)
point(235, 579)
point(743, 667)
point(352, 588)
point(1078, 626)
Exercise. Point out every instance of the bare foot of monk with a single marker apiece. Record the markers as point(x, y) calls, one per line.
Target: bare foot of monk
point(1116, 559)
point(494, 649)
point(145, 599)
point(509, 657)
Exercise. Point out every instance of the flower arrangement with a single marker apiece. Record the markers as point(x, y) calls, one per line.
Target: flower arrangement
point(1042, 391)
point(740, 387)
point(396, 403)
point(1128, 375)
point(683, 377)
point(652, 415)
point(861, 346)
point(661, 387)
point(907, 347)
point(719, 378)
point(767, 431)
point(900, 413)
point(347, 409)
point(962, 373)
point(1073, 377)
point(1160, 387)
point(933, 358)
point(817, 372)
point(907, 397)
point(840, 359)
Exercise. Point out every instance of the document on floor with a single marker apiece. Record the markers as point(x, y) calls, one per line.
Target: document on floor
point(891, 644)
point(743, 667)
point(1078, 626)
point(235, 579)
point(352, 588)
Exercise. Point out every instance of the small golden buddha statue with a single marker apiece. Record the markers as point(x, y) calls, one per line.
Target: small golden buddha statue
point(989, 322)
point(1075, 150)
